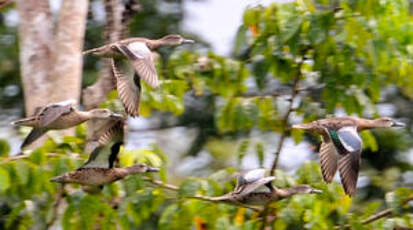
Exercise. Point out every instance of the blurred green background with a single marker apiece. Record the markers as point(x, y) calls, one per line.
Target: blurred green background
point(222, 108)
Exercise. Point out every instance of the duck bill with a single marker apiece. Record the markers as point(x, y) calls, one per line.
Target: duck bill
point(58, 179)
point(152, 169)
point(398, 124)
point(188, 41)
point(316, 191)
point(116, 116)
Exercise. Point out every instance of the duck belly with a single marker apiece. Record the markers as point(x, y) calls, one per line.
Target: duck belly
point(94, 176)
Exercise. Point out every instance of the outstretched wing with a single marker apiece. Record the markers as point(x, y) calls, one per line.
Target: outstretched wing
point(104, 133)
point(129, 90)
point(250, 187)
point(249, 177)
point(104, 155)
point(141, 58)
point(328, 158)
point(349, 163)
point(33, 135)
point(52, 112)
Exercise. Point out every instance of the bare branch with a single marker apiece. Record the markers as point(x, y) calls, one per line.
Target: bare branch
point(383, 213)
point(376, 216)
point(19, 157)
point(285, 119)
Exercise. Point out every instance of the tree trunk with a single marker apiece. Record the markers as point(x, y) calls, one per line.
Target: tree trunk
point(36, 46)
point(68, 61)
point(95, 94)
point(51, 66)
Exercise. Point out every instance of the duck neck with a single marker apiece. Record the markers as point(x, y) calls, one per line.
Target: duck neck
point(155, 44)
point(364, 124)
point(134, 169)
point(84, 115)
point(284, 193)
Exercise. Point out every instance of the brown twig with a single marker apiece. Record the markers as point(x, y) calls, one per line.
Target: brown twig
point(383, 213)
point(19, 157)
point(376, 216)
point(284, 133)
point(285, 120)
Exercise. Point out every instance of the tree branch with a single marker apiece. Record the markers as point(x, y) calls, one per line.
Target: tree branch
point(376, 216)
point(383, 213)
point(285, 119)
point(19, 157)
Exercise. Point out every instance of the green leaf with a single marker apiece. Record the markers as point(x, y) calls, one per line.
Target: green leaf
point(4, 180)
point(260, 153)
point(4, 148)
point(189, 188)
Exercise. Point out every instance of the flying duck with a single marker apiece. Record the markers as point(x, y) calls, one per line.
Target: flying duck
point(246, 190)
point(61, 115)
point(138, 51)
point(341, 146)
point(99, 169)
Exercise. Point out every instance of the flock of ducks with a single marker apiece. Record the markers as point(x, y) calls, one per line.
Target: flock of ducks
point(340, 148)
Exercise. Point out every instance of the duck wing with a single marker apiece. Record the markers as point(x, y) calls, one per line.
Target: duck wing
point(250, 187)
point(141, 57)
point(249, 177)
point(104, 156)
point(129, 90)
point(328, 157)
point(52, 112)
point(349, 162)
point(104, 134)
point(33, 135)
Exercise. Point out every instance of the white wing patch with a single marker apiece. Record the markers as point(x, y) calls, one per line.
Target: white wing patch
point(254, 175)
point(350, 138)
point(140, 50)
point(67, 102)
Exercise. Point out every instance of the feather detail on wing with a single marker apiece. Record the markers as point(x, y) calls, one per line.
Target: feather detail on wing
point(52, 112)
point(141, 58)
point(328, 158)
point(129, 90)
point(250, 187)
point(349, 164)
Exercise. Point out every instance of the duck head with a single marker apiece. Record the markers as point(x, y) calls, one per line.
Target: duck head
point(141, 168)
point(174, 40)
point(387, 122)
point(105, 114)
point(304, 189)
point(64, 178)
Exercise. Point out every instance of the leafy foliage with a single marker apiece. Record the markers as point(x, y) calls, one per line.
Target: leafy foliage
point(300, 60)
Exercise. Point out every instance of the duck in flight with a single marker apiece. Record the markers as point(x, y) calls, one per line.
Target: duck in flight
point(61, 115)
point(99, 169)
point(341, 146)
point(246, 191)
point(138, 51)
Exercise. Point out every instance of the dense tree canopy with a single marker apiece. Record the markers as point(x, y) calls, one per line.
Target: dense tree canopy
point(291, 62)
